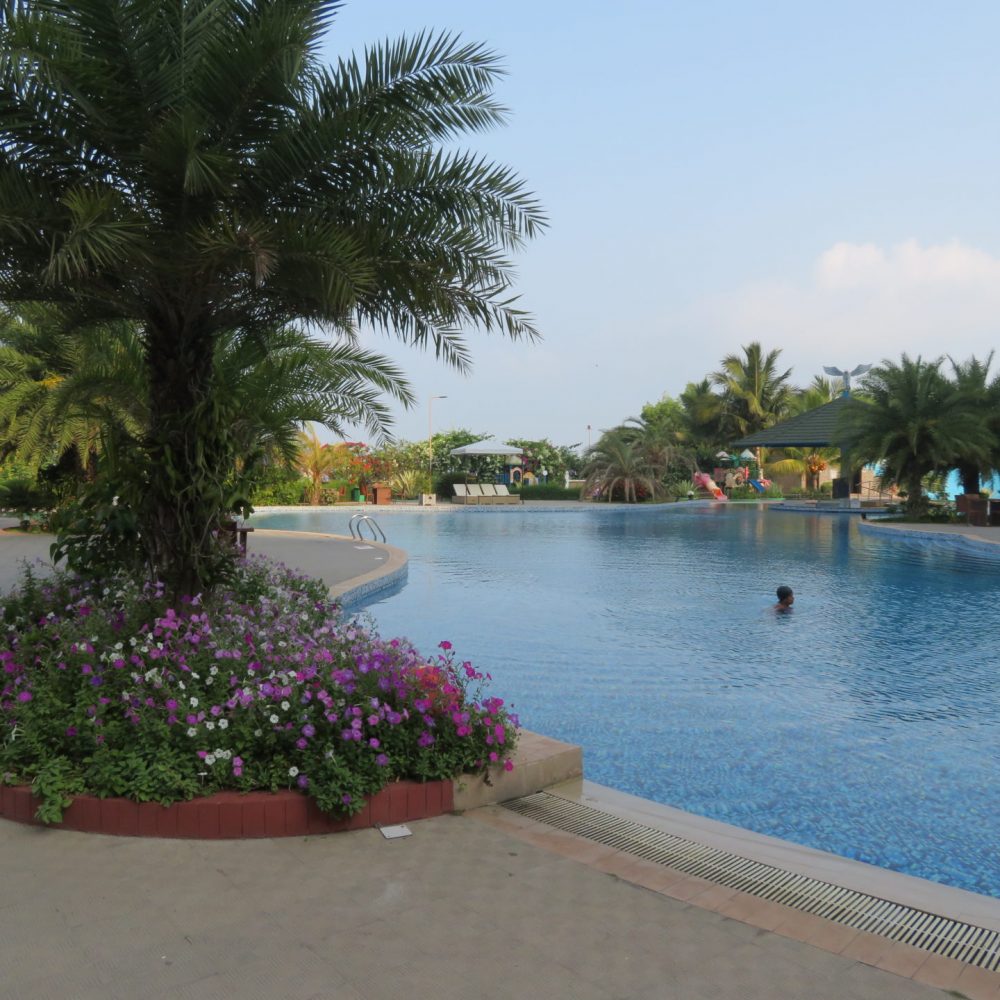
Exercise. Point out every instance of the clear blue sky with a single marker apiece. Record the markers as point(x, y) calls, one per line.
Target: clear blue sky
point(819, 177)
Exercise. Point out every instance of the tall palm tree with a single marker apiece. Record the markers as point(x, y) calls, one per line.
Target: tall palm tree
point(972, 381)
point(194, 168)
point(912, 423)
point(616, 464)
point(755, 395)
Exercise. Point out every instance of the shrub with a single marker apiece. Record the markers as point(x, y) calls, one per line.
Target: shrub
point(443, 484)
point(24, 495)
point(108, 690)
point(283, 492)
point(546, 491)
point(410, 483)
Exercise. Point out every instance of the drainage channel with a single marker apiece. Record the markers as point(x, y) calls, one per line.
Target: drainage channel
point(955, 939)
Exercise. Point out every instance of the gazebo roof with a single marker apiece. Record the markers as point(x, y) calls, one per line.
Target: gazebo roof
point(812, 429)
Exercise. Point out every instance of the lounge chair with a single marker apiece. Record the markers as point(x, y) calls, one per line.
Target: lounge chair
point(475, 493)
point(505, 496)
point(461, 494)
point(489, 494)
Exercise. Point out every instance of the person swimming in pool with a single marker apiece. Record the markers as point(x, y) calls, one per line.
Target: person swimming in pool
point(785, 599)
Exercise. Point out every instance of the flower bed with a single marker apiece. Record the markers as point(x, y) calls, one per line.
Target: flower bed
point(112, 692)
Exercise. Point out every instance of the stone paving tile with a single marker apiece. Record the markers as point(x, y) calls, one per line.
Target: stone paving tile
point(461, 909)
point(978, 984)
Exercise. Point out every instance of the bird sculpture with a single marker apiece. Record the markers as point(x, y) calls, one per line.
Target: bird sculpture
point(847, 375)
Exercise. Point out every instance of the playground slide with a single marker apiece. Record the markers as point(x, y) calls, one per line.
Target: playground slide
point(757, 485)
point(706, 482)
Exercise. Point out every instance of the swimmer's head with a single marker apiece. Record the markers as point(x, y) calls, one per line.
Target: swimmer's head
point(784, 594)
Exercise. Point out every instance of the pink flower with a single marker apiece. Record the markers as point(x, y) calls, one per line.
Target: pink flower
point(445, 645)
point(508, 765)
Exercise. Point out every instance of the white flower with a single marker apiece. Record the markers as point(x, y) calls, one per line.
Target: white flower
point(193, 702)
point(210, 724)
point(213, 671)
point(210, 759)
point(223, 723)
point(192, 731)
point(285, 706)
point(293, 772)
point(273, 720)
point(258, 732)
point(182, 685)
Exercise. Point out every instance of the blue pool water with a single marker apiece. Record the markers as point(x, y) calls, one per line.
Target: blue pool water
point(866, 723)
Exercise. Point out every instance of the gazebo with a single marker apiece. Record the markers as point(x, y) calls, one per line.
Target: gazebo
point(812, 429)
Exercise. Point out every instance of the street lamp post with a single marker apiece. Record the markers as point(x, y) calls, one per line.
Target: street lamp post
point(430, 445)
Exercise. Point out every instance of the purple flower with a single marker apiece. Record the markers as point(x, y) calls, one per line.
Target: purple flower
point(25, 696)
point(309, 730)
point(382, 760)
point(302, 781)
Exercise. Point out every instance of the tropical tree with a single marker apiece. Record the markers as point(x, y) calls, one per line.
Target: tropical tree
point(702, 427)
point(45, 418)
point(755, 395)
point(92, 385)
point(972, 382)
point(616, 465)
point(667, 418)
point(192, 167)
point(315, 460)
point(912, 422)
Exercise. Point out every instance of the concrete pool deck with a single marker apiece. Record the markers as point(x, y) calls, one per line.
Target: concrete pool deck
point(485, 904)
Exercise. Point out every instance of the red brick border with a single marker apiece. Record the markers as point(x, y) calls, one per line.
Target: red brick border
point(230, 815)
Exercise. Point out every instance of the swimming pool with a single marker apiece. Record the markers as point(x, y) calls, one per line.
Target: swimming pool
point(866, 723)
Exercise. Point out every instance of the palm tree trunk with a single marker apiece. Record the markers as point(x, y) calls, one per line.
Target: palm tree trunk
point(969, 475)
point(186, 450)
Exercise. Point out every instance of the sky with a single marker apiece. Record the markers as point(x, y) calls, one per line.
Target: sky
point(822, 178)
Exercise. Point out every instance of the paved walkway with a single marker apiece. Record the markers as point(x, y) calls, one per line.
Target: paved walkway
point(480, 905)
point(461, 909)
point(967, 532)
point(341, 562)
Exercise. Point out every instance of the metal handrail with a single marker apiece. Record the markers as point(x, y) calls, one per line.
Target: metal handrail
point(356, 523)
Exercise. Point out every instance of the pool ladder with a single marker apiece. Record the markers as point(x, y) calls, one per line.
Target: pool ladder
point(358, 521)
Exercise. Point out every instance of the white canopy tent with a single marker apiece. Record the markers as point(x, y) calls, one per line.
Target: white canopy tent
point(485, 448)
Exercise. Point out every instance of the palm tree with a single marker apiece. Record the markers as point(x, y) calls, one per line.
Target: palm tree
point(272, 388)
point(971, 379)
point(755, 395)
point(617, 464)
point(59, 389)
point(663, 445)
point(912, 423)
point(702, 417)
point(192, 167)
point(314, 460)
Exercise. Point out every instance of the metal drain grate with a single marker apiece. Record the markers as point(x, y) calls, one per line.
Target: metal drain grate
point(964, 942)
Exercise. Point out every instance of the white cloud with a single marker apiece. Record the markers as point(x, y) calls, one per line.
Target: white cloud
point(864, 303)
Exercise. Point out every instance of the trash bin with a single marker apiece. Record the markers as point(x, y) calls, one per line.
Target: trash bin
point(355, 494)
point(383, 494)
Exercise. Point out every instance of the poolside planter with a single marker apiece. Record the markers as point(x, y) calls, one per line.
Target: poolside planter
point(232, 815)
